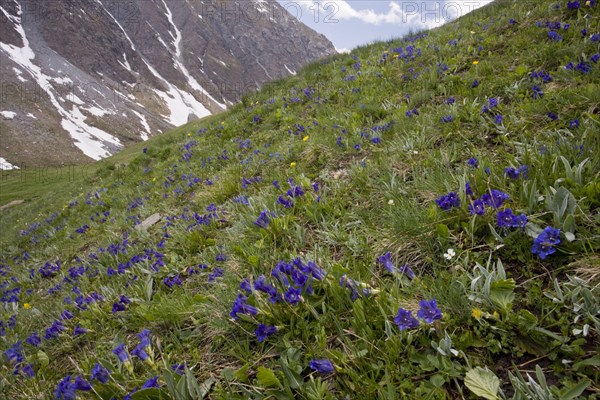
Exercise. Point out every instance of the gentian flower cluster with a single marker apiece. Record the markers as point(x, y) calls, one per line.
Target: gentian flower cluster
point(67, 387)
point(515, 173)
point(428, 312)
point(506, 219)
point(448, 201)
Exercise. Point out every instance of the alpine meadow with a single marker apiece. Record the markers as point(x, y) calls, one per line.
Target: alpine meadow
point(418, 219)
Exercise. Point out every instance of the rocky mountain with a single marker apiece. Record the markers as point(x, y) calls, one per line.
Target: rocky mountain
point(82, 79)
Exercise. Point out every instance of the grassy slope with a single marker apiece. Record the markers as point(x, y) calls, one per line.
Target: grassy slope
point(373, 198)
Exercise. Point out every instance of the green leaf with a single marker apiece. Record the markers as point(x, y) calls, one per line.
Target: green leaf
point(266, 377)
point(501, 293)
point(483, 383)
point(592, 362)
point(574, 391)
point(43, 358)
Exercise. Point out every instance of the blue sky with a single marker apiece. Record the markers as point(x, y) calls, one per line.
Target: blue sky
point(350, 23)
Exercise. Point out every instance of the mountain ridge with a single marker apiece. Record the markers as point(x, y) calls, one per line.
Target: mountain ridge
point(84, 76)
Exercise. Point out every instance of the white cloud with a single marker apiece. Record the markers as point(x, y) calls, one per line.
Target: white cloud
point(418, 14)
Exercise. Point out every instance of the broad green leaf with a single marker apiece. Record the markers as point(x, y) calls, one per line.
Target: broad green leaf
point(501, 293)
point(483, 383)
point(266, 377)
point(43, 358)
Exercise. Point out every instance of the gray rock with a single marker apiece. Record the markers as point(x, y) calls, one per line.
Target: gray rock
point(148, 222)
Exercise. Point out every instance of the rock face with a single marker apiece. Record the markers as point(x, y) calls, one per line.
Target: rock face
point(82, 79)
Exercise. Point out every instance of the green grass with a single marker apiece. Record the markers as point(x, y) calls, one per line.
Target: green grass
point(506, 312)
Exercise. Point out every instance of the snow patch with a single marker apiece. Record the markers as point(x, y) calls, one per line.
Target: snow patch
point(146, 134)
point(8, 114)
point(291, 71)
point(90, 140)
point(126, 63)
point(177, 36)
point(19, 72)
point(179, 103)
point(6, 166)
point(97, 111)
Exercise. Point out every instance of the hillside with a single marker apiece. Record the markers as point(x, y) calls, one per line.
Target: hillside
point(418, 219)
point(81, 79)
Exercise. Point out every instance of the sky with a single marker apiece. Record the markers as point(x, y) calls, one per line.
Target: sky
point(351, 23)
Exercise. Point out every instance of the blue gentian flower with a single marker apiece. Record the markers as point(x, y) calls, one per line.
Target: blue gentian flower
point(317, 272)
point(505, 218)
point(264, 331)
point(79, 330)
point(477, 207)
point(574, 124)
point(261, 284)
point(246, 286)
point(100, 373)
point(287, 203)
point(494, 199)
point(151, 383)
point(322, 366)
point(429, 311)
point(498, 119)
point(65, 390)
point(473, 162)
point(81, 384)
point(512, 173)
point(386, 260)
point(34, 339)
point(405, 320)
point(537, 92)
point(475, 83)
point(240, 306)
point(179, 369)
point(446, 119)
point(117, 307)
point(121, 352)
point(356, 288)
point(544, 244)
point(552, 116)
point(468, 189)
point(28, 370)
point(216, 273)
point(293, 296)
point(595, 57)
point(54, 330)
point(407, 270)
point(448, 201)
point(584, 67)
point(140, 352)
point(264, 218)
point(554, 36)
point(144, 337)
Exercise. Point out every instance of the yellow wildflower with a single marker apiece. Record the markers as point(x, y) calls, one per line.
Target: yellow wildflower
point(477, 313)
point(305, 138)
point(27, 306)
point(475, 62)
point(293, 164)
